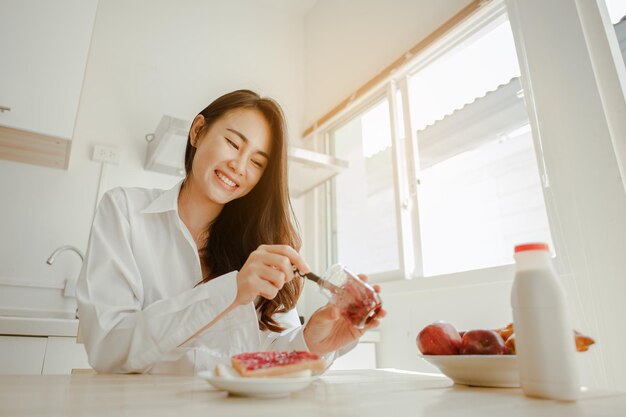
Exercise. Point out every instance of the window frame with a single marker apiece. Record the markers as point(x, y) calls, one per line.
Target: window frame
point(331, 237)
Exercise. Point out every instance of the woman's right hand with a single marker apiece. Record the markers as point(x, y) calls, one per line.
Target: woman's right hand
point(265, 272)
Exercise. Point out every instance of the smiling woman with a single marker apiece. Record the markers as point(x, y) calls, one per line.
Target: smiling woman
point(180, 280)
point(230, 173)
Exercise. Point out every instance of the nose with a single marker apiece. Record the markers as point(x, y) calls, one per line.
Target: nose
point(237, 165)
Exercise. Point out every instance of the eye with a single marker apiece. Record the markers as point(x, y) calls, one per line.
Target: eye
point(257, 164)
point(231, 143)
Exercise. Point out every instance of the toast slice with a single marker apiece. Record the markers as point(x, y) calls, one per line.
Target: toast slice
point(276, 364)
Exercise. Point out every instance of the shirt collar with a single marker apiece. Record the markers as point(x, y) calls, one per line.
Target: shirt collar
point(166, 201)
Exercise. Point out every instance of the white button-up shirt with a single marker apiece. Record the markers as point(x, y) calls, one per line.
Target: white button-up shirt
point(138, 300)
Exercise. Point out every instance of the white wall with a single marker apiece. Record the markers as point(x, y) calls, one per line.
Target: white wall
point(147, 58)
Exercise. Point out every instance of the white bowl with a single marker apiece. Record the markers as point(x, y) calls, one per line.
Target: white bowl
point(478, 370)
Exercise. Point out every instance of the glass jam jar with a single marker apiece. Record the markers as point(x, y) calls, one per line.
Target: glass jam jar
point(357, 301)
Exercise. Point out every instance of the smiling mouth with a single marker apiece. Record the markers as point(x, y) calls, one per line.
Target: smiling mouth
point(224, 179)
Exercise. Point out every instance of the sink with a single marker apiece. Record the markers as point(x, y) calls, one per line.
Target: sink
point(36, 308)
point(28, 298)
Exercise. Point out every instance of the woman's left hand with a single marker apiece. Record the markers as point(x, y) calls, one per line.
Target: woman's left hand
point(328, 331)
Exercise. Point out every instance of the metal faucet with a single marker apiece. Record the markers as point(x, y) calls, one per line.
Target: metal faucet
point(50, 260)
point(70, 284)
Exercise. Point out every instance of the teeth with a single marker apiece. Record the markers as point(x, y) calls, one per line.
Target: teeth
point(226, 180)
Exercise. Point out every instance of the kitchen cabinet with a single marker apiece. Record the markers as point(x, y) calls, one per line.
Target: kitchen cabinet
point(363, 356)
point(44, 47)
point(22, 355)
point(34, 355)
point(62, 355)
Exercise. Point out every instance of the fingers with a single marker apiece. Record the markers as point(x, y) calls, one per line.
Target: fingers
point(371, 325)
point(265, 272)
point(266, 280)
point(364, 278)
point(273, 276)
point(278, 262)
point(267, 289)
point(331, 313)
point(373, 322)
point(258, 280)
point(293, 256)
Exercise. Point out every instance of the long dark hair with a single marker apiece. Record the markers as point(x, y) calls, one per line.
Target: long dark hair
point(263, 216)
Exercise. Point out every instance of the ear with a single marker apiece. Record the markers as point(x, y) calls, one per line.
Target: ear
point(196, 126)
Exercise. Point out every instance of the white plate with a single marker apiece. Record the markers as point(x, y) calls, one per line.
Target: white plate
point(478, 370)
point(258, 387)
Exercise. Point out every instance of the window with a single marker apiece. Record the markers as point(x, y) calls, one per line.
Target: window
point(467, 175)
point(364, 194)
point(475, 206)
point(479, 189)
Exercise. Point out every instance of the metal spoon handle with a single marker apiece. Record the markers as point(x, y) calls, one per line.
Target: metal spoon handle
point(319, 281)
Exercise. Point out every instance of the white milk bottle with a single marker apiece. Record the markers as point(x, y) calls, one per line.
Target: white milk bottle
point(544, 338)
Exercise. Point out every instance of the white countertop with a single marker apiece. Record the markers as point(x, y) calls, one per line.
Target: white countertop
point(37, 326)
point(379, 393)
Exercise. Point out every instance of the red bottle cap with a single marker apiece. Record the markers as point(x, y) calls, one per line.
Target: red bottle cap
point(531, 246)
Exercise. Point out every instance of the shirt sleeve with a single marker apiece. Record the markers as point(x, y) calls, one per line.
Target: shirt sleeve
point(119, 333)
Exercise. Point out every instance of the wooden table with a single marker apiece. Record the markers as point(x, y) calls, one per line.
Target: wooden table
point(379, 393)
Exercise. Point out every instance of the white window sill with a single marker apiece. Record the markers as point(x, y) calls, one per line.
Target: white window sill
point(498, 274)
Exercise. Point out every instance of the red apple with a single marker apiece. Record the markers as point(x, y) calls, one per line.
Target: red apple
point(482, 342)
point(439, 338)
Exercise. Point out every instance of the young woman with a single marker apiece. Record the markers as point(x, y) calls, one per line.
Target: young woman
point(177, 281)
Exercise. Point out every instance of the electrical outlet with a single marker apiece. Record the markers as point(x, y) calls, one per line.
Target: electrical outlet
point(106, 154)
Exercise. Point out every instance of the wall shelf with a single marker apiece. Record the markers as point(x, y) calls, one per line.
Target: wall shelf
point(308, 170)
